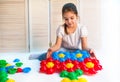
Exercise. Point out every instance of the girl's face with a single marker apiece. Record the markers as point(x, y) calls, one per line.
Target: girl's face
point(70, 19)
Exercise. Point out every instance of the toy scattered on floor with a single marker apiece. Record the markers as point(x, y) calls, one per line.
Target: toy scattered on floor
point(82, 80)
point(26, 69)
point(16, 60)
point(19, 70)
point(12, 71)
point(3, 72)
point(10, 80)
point(6, 68)
point(76, 80)
point(66, 80)
point(3, 63)
point(72, 75)
point(19, 64)
point(71, 65)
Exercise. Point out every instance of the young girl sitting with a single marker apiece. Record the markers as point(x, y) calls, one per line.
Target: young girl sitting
point(70, 36)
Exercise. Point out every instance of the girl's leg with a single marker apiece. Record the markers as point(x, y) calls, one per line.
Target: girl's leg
point(43, 55)
point(40, 57)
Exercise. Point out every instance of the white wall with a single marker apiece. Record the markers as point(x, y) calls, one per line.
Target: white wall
point(110, 18)
point(90, 15)
point(13, 30)
point(38, 17)
point(102, 18)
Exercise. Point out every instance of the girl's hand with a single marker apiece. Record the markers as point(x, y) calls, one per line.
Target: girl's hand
point(92, 54)
point(49, 53)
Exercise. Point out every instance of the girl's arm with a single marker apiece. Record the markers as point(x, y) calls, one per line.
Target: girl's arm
point(84, 43)
point(55, 47)
point(85, 47)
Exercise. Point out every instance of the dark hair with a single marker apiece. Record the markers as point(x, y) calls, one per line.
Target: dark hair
point(66, 8)
point(69, 7)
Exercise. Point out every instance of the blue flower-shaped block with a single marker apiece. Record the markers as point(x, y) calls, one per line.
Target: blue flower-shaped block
point(78, 55)
point(61, 56)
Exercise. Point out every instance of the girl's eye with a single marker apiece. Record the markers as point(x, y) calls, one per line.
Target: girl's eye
point(66, 19)
point(72, 18)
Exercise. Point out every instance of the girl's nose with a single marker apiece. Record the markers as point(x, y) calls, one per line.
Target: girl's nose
point(69, 21)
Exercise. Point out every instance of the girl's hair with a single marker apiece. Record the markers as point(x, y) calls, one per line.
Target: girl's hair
point(69, 7)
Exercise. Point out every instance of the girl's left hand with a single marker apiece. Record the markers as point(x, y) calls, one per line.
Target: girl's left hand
point(92, 54)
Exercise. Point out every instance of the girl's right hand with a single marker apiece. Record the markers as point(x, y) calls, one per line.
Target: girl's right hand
point(49, 53)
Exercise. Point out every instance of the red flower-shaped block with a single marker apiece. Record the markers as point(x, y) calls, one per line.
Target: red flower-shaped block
point(49, 66)
point(90, 66)
point(70, 65)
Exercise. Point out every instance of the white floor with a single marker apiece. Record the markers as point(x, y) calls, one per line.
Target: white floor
point(108, 74)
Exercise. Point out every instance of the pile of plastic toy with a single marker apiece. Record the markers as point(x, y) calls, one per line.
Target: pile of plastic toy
point(71, 65)
point(6, 68)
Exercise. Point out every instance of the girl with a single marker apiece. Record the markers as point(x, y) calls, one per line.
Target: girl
point(71, 35)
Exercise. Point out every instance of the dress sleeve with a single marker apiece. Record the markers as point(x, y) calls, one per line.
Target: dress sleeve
point(60, 31)
point(84, 31)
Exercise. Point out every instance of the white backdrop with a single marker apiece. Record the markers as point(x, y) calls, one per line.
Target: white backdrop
point(110, 18)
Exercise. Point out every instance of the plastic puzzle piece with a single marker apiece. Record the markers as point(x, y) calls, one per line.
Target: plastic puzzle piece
point(66, 80)
point(3, 76)
point(16, 60)
point(12, 70)
point(61, 56)
point(75, 80)
point(49, 66)
point(78, 55)
point(69, 65)
point(19, 70)
point(19, 64)
point(9, 67)
point(82, 80)
point(3, 63)
point(10, 80)
point(26, 69)
point(90, 66)
point(72, 75)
